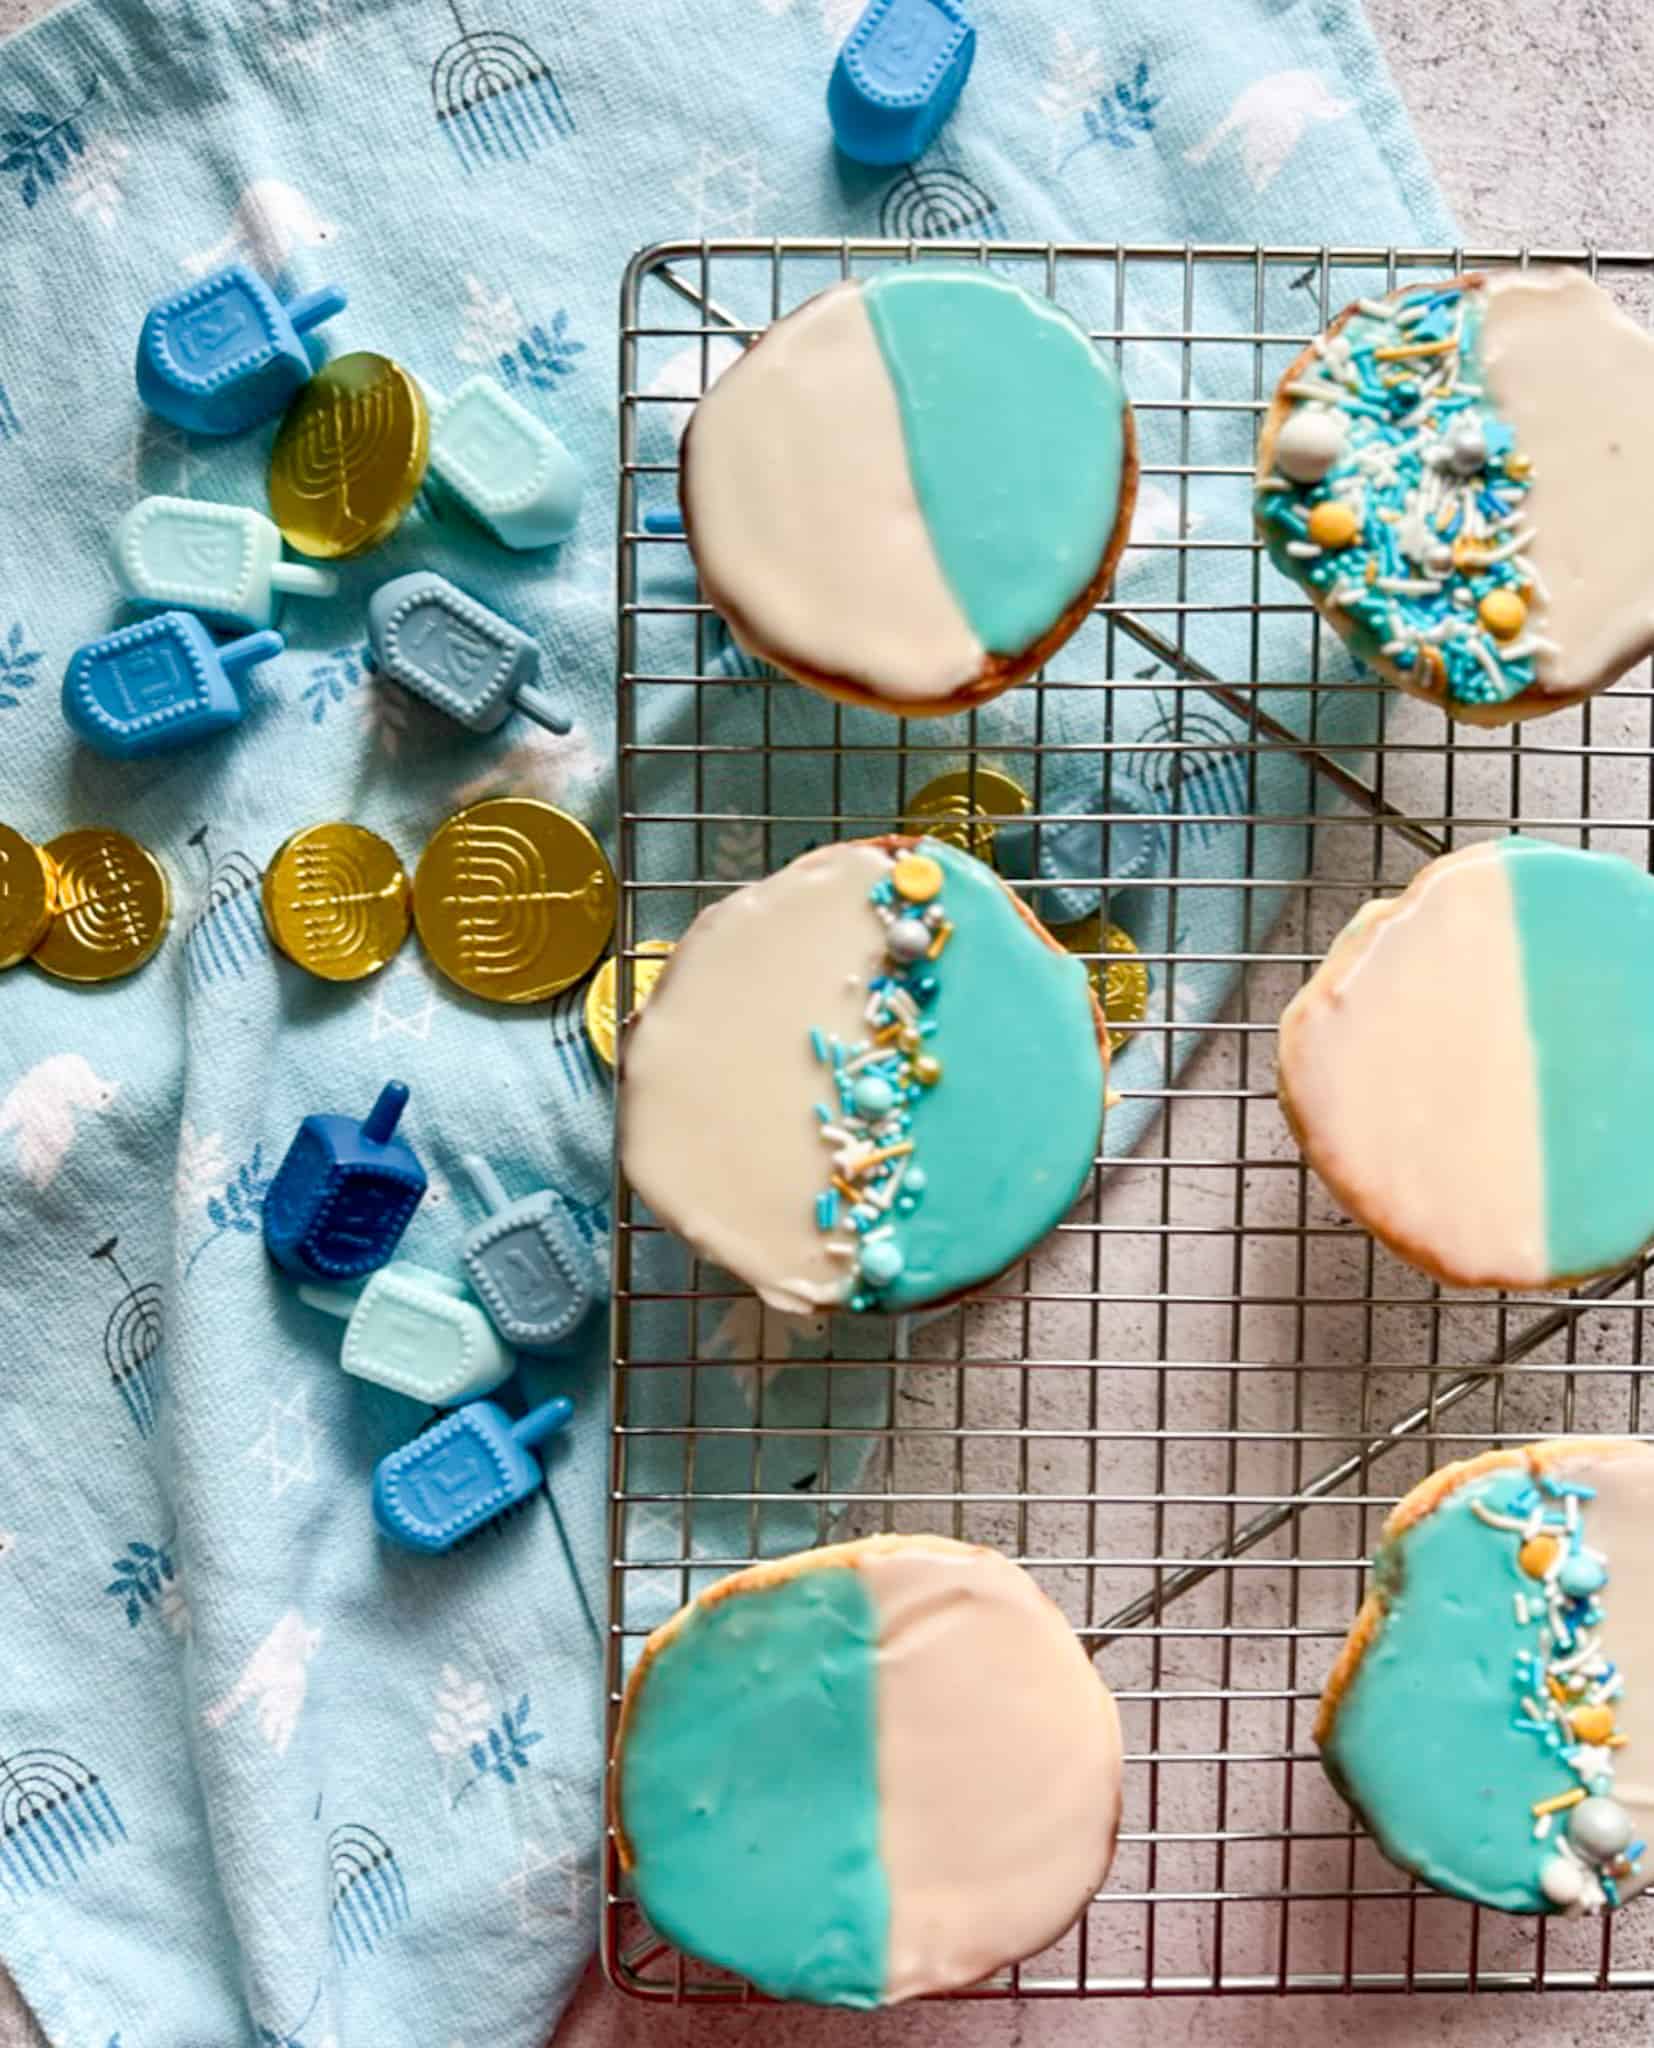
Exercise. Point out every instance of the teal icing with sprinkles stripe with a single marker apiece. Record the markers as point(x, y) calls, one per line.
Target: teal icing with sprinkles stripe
point(1392, 422)
point(1585, 923)
point(1014, 426)
point(748, 1789)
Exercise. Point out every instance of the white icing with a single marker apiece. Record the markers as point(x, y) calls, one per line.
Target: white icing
point(797, 457)
point(999, 1765)
point(735, 1005)
point(1574, 376)
point(1408, 1067)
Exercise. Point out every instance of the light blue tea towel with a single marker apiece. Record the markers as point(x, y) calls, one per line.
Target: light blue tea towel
point(263, 1781)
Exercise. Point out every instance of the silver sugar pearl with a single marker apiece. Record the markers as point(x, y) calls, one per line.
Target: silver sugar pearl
point(1467, 448)
point(1600, 1828)
point(908, 939)
point(935, 915)
point(1562, 1881)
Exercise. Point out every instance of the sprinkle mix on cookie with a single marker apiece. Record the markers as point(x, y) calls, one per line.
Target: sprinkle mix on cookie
point(1565, 1693)
point(877, 1081)
point(1397, 495)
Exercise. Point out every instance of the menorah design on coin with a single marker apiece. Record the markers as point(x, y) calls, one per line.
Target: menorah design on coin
point(113, 904)
point(350, 456)
point(336, 901)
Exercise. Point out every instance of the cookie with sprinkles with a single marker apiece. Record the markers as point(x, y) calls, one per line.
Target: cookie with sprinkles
point(1491, 1717)
point(1471, 1068)
point(910, 491)
point(871, 1081)
point(1457, 477)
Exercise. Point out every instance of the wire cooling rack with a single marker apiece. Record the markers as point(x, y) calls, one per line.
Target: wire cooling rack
point(1188, 1413)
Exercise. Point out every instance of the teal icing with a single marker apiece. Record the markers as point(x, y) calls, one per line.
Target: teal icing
point(1009, 1134)
point(1424, 1742)
point(1015, 434)
point(748, 1789)
point(1585, 923)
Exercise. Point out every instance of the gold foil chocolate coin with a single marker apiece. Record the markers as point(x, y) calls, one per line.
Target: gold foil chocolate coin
point(960, 808)
point(350, 456)
point(1120, 979)
point(28, 890)
point(337, 901)
point(113, 905)
point(514, 899)
point(602, 1022)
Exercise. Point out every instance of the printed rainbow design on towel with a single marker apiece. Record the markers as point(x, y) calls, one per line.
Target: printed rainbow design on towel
point(1472, 1068)
point(935, 440)
point(1398, 496)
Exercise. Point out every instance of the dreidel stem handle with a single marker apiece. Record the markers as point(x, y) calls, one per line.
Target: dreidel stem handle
point(238, 656)
point(310, 309)
point(332, 1301)
point(486, 1182)
point(533, 702)
point(544, 1421)
point(299, 580)
point(379, 1125)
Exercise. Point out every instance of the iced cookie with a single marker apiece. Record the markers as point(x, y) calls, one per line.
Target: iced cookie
point(1491, 1717)
point(870, 1081)
point(867, 1772)
point(910, 491)
point(1471, 1068)
point(1458, 475)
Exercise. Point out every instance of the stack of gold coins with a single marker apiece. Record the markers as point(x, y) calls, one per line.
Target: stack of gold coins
point(960, 808)
point(602, 1000)
point(91, 905)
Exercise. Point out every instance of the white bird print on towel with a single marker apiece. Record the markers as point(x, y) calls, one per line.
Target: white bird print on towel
point(40, 1112)
point(270, 221)
point(1270, 117)
point(276, 1676)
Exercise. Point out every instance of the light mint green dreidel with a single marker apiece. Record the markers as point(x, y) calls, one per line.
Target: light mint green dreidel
point(504, 466)
point(418, 1333)
point(223, 561)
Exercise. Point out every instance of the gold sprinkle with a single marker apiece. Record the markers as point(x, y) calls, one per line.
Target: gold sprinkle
point(849, 1193)
point(889, 1034)
point(1560, 1803)
point(943, 934)
point(1415, 348)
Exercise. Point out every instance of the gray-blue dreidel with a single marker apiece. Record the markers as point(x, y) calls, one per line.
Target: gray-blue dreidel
point(434, 640)
point(528, 1265)
point(504, 466)
point(418, 1333)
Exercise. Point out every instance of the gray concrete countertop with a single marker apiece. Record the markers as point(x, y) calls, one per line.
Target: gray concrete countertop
point(1535, 114)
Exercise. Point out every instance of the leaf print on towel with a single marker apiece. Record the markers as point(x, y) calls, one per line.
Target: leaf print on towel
point(333, 680)
point(274, 1681)
point(237, 1206)
point(18, 660)
point(92, 184)
point(226, 935)
point(37, 150)
point(461, 1718)
point(369, 1893)
point(542, 356)
point(146, 1582)
point(201, 1169)
point(1119, 115)
point(494, 96)
point(55, 1814)
point(490, 325)
point(1271, 117)
point(132, 1341)
point(502, 1751)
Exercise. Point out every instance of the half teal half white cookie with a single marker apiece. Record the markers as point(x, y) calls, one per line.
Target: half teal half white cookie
point(871, 1081)
point(910, 491)
point(1458, 476)
point(868, 1772)
point(1492, 1716)
point(1471, 1068)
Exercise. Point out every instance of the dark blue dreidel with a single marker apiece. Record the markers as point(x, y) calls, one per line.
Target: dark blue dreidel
point(224, 354)
point(473, 1466)
point(344, 1194)
point(161, 684)
point(440, 644)
point(528, 1265)
point(898, 74)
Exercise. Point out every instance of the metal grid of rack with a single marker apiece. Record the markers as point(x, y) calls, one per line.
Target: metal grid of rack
point(1190, 1410)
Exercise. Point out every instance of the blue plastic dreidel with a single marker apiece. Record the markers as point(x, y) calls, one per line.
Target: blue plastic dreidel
point(223, 561)
point(344, 1194)
point(161, 684)
point(224, 354)
point(507, 468)
point(434, 640)
point(473, 1466)
point(418, 1333)
point(898, 73)
point(528, 1265)
point(1067, 851)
